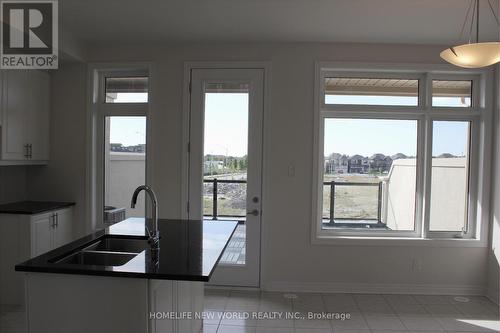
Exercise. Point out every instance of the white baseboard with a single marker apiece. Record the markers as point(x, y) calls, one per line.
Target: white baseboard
point(236, 288)
point(371, 288)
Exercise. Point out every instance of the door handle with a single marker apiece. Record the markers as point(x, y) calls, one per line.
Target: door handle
point(254, 212)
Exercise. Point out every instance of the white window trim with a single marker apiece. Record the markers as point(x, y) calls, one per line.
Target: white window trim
point(480, 114)
point(97, 111)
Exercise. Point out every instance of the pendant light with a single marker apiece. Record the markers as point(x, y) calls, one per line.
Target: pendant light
point(473, 55)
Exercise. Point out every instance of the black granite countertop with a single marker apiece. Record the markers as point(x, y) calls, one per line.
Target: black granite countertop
point(189, 250)
point(33, 207)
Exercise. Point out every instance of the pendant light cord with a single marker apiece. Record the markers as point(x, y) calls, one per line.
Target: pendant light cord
point(496, 17)
point(465, 21)
point(474, 5)
point(475, 2)
point(494, 14)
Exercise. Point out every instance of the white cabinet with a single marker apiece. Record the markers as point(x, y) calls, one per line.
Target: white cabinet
point(38, 117)
point(42, 234)
point(14, 112)
point(61, 303)
point(25, 116)
point(50, 230)
point(63, 231)
point(26, 236)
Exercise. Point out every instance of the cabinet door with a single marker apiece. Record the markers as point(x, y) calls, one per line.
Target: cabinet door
point(41, 234)
point(63, 230)
point(14, 105)
point(38, 117)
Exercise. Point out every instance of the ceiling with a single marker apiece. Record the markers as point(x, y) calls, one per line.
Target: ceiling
point(375, 21)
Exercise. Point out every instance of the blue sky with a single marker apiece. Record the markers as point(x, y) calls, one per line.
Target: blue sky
point(129, 131)
point(226, 124)
point(370, 136)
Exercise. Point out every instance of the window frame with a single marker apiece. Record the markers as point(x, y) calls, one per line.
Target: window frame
point(96, 121)
point(479, 115)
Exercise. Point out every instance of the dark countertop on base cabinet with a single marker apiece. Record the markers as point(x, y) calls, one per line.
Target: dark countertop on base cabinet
point(33, 207)
point(189, 250)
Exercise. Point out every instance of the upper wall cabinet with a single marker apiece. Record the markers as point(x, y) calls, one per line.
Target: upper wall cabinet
point(25, 115)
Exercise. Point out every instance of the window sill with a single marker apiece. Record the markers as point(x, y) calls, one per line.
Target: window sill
point(396, 241)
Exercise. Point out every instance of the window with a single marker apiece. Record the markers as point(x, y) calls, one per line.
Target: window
point(450, 175)
point(371, 91)
point(124, 166)
point(396, 154)
point(452, 93)
point(369, 177)
point(126, 89)
point(118, 132)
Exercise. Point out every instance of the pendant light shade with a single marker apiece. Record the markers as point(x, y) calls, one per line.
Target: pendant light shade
point(474, 55)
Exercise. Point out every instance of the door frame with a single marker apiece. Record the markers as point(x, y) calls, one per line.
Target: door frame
point(186, 109)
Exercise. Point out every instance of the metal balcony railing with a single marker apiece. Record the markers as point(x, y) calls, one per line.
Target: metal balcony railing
point(349, 222)
point(215, 194)
point(332, 220)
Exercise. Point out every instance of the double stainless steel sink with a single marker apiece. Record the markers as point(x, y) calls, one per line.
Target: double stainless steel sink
point(107, 251)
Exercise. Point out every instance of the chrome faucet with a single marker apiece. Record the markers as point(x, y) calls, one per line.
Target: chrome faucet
point(153, 233)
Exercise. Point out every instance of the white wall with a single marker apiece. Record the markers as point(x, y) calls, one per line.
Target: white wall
point(126, 171)
point(449, 194)
point(289, 126)
point(399, 195)
point(494, 248)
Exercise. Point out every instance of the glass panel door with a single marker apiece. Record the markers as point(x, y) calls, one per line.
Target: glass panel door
point(225, 164)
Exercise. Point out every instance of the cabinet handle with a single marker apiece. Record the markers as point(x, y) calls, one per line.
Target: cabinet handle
point(53, 217)
point(26, 151)
point(57, 220)
point(30, 146)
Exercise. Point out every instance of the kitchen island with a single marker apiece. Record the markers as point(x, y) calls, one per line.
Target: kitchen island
point(110, 281)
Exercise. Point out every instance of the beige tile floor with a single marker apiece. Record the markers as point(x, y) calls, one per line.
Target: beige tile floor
point(368, 313)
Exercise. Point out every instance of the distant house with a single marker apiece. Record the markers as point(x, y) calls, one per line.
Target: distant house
point(380, 163)
point(358, 164)
point(337, 163)
point(115, 146)
point(118, 147)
